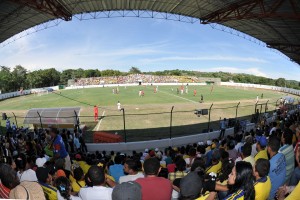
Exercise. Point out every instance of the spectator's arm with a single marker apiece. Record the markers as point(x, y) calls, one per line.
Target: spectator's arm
point(221, 188)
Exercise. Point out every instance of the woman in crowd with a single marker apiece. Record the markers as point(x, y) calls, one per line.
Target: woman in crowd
point(64, 189)
point(240, 182)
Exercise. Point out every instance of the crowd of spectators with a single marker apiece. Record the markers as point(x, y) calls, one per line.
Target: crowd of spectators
point(261, 164)
point(134, 78)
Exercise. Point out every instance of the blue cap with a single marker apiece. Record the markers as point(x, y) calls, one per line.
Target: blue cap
point(262, 140)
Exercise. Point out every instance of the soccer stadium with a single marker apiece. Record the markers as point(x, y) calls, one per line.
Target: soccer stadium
point(149, 136)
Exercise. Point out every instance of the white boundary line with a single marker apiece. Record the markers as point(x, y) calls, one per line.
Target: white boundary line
point(179, 96)
point(99, 123)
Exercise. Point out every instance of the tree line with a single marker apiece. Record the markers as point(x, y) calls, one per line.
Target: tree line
point(19, 77)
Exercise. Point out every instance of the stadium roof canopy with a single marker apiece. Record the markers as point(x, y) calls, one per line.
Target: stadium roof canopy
point(53, 116)
point(275, 22)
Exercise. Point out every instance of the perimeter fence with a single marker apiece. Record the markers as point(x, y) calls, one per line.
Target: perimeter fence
point(174, 121)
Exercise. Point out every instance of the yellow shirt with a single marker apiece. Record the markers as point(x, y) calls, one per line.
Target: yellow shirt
point(261, 154)
point(49, 191)
point(250, 159)
point(215, 168)
point(203, 197)
point(76, 185)
point(262, 188)
point(295, 195)
point(84, 166)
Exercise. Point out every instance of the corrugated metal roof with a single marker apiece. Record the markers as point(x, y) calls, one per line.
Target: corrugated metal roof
point(275, 22)
point(52, 116)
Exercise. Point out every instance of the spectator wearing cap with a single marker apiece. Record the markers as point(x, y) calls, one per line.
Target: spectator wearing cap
point(59, 168)
point(131, 167)
point(216, 163)
point(127, 191)
point(154, 187)
point(288, 152)
point(8, 180)
point(97, 191)
point(116, 170)
point(45, 180)
point(246, 154)
point(84, 166)
point(262, 185)
point(59, 150)
point(277, 165)
point(261, 148)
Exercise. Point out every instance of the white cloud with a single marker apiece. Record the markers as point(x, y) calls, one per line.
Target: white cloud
point(205, 58)
point(254, 71)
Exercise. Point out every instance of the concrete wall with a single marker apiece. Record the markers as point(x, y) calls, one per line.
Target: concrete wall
point(161, 144)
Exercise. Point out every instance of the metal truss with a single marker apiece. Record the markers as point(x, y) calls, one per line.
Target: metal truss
point(30, 31)
point(135, 13)
point(252, 9)
point(289, 48)
point(52, 7)
point(101, 15)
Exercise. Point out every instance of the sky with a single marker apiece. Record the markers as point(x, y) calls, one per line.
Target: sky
point(148, 44)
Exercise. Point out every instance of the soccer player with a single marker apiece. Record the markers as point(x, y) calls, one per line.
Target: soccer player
point(119, 105)
point(195, 92)
point(95, 113)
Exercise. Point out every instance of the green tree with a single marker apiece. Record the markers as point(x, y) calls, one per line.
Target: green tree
point(134, 70)
point(19, 77)
point(6, 83)
point(66, 75)
point(280, 82)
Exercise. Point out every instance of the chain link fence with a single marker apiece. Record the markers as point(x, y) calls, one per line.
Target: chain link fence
point(172, 121)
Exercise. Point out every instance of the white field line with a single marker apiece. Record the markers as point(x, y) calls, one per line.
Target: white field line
point(179, 96)
point(99, 123)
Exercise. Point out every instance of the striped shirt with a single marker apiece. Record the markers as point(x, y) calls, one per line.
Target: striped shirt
point(289, 155)
point(4, 192)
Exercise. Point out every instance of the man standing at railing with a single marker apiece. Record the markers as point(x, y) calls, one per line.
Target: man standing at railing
point(223, 125)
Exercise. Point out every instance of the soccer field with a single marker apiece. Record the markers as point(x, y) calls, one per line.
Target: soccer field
point(148, 117)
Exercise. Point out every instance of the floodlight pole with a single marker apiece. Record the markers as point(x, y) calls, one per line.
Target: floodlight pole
point(77, 121)
point(40, 119)
point(125, 135)
point(171, 122)
point(208, 126)
point(236, 110)
point(15, 119)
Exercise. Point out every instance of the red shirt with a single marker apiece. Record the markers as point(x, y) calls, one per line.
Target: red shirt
point(4, 192)
point(96, 110)
point(157, 188)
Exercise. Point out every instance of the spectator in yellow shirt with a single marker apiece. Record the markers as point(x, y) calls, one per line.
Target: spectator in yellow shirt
point(262, 185)
point(261, 148)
